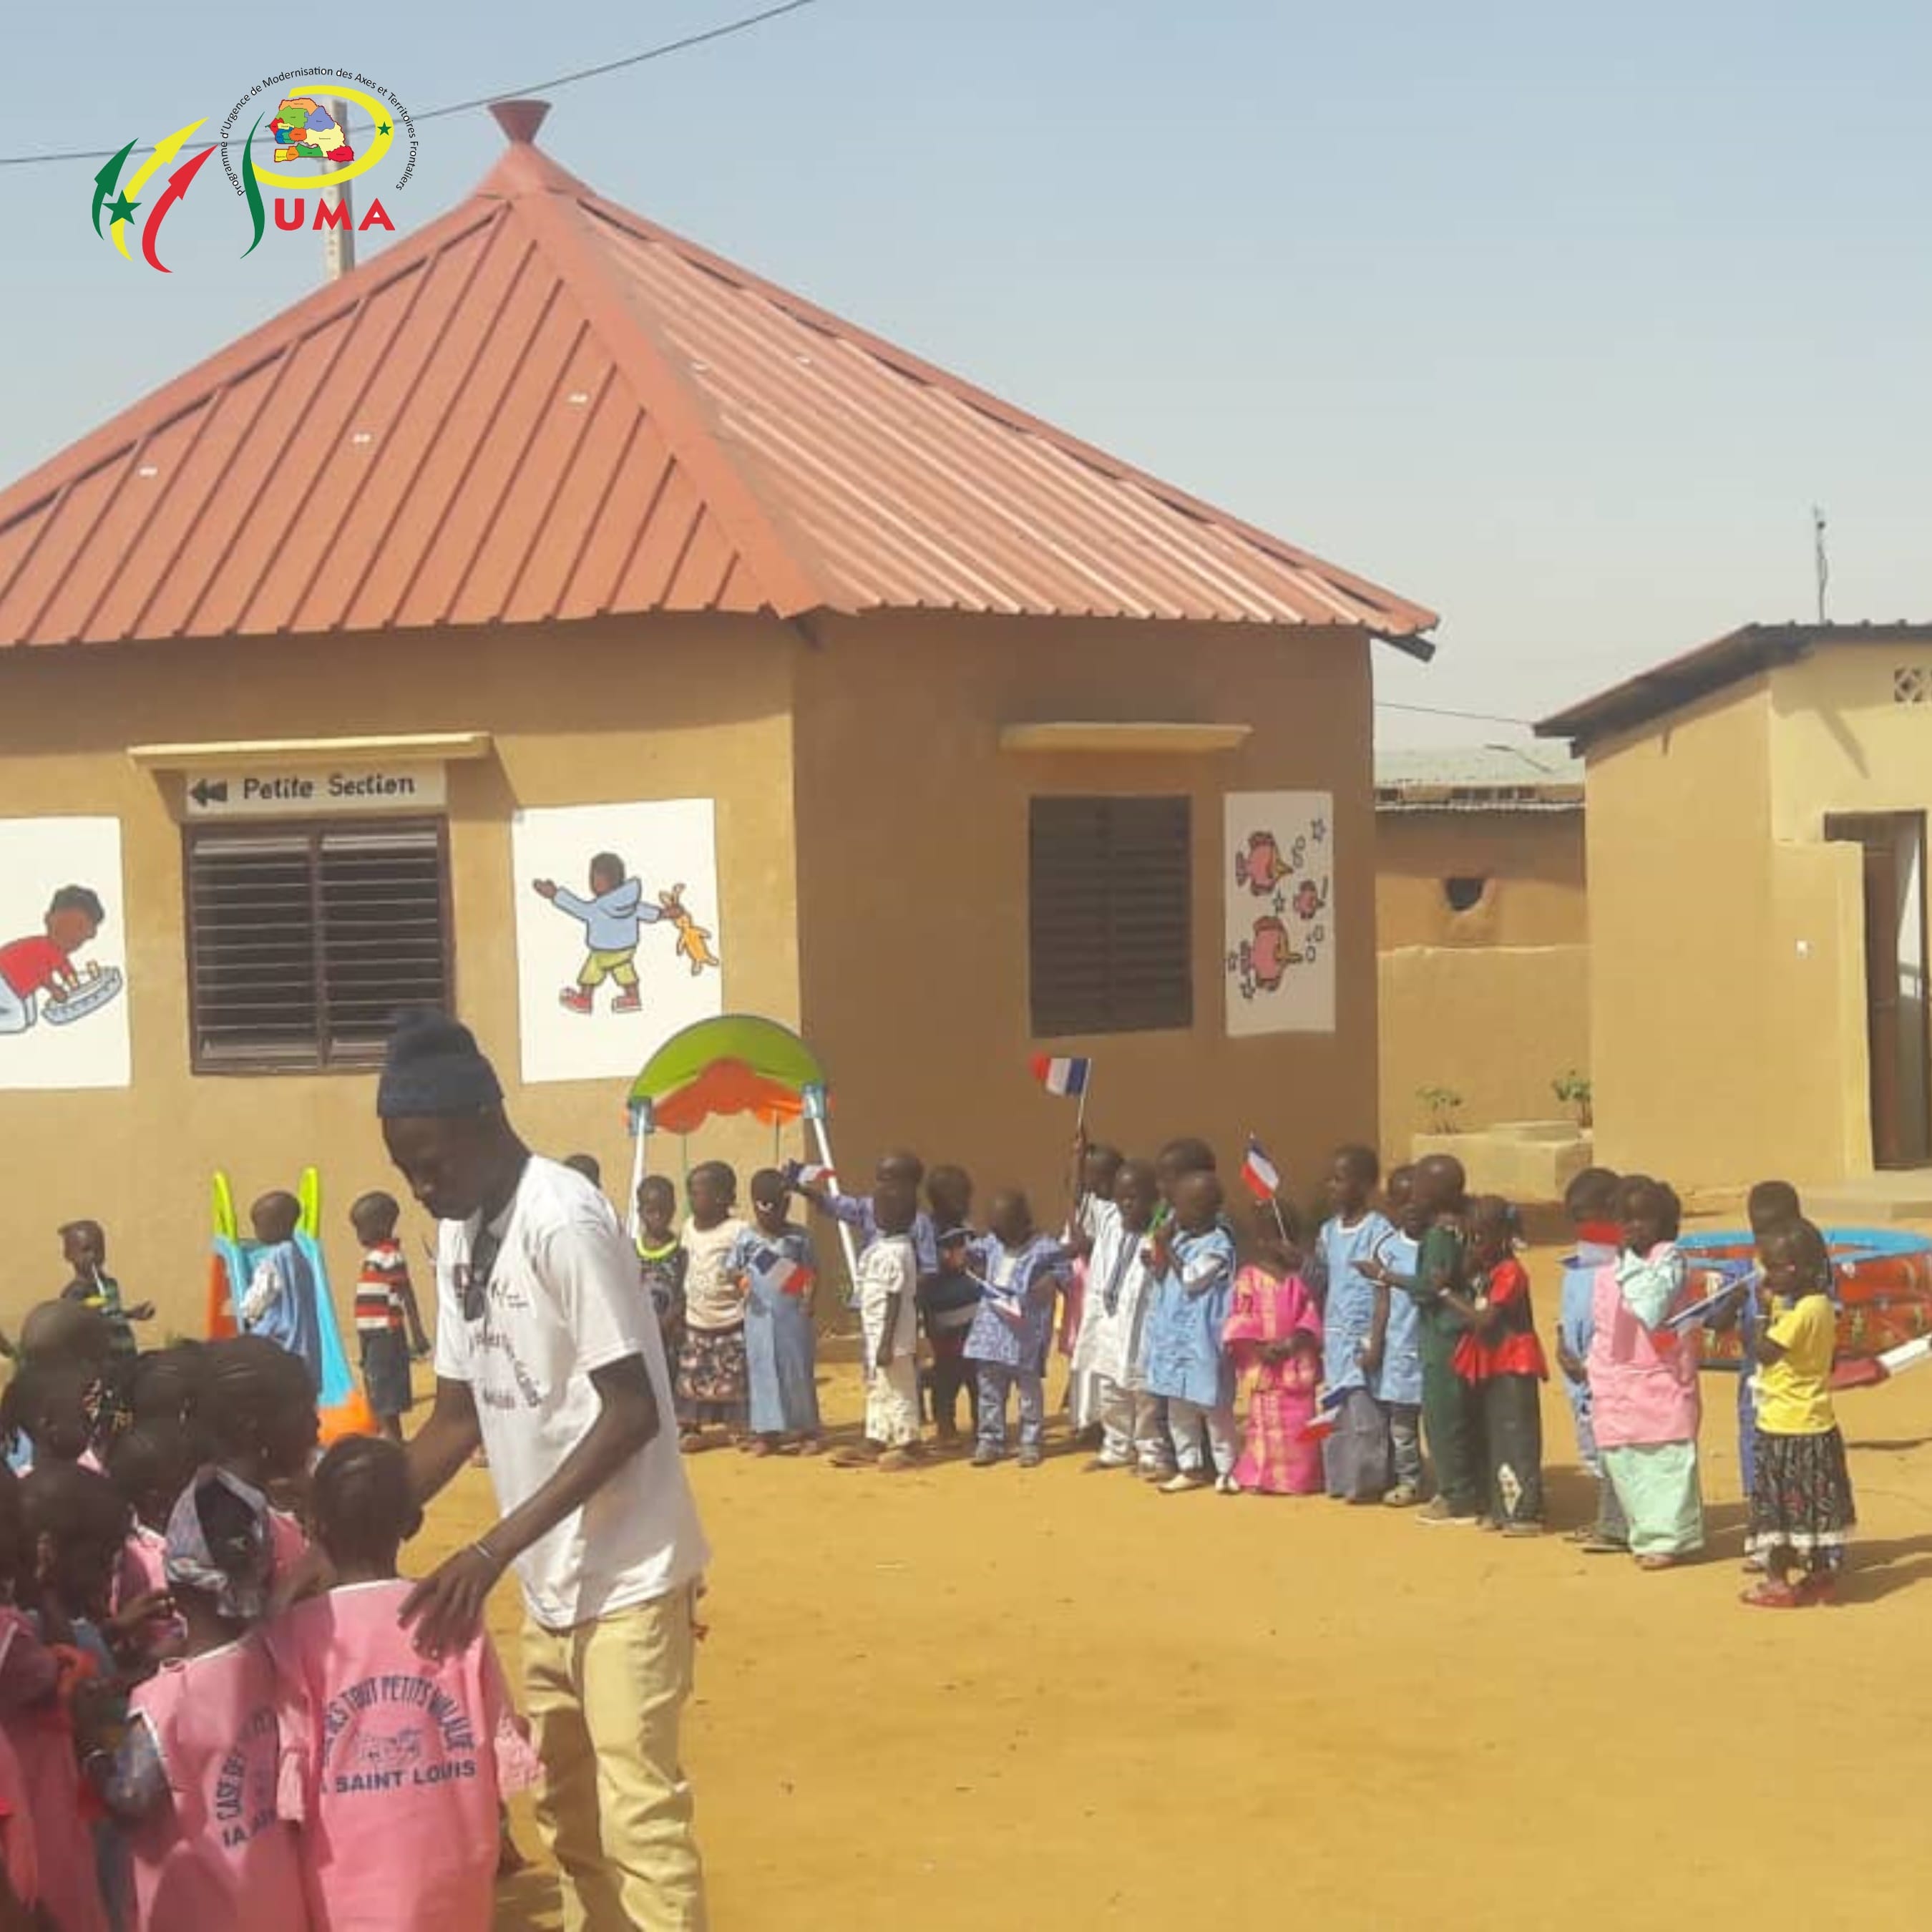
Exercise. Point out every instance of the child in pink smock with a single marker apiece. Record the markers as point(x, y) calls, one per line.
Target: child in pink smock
point(1273, 1333)
point(19, 1857)
point(75, 1525)
point(257, 1411)
point(39, 1742)
point(195, 1776)
point(151, 1464)
point(392, 1761)
point(1644, 1401)
point(37, 1770)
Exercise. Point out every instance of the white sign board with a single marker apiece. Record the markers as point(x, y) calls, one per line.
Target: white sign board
point(63, 955)
point(1279, 878)
point(313, 791)
point(618, 945)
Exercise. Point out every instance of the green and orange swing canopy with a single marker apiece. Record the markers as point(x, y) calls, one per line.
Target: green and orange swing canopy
point(737, 1064)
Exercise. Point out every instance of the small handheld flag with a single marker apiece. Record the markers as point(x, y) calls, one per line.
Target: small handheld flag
point(1696, 1314)
point(814, 1174)
point(1071, 1079)
point(1865, 1372)
point(1066, 1077)
point(1327, 1409)
point(1262, 1179)
point(777, 1271)
point(1259, 1174)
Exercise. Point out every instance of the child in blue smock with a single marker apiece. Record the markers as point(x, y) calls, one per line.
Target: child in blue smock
point(280, 1301)
point(1399, 1379)
point(1022, 1273)
point(774, 1261)
point(1187, 1364)
point(1355, 1311)
point(1590, 1202)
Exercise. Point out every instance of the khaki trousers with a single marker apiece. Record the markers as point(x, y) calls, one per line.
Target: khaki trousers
point(604, 1701)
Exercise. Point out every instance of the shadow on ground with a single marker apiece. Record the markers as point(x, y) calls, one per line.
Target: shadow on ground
point(528, 1903)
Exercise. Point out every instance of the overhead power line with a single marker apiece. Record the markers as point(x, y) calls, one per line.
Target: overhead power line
point(681, 45)
point(1436, 711)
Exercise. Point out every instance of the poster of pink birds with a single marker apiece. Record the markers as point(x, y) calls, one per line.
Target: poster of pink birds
point(1280, 960)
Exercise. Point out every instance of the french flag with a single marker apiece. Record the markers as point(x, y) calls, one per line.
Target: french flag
point(1067, 1078)
point(1321, 1425)
point(780, 1273)
point(1260, 1175)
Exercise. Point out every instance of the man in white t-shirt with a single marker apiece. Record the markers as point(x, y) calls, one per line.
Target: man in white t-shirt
point(548, 1358)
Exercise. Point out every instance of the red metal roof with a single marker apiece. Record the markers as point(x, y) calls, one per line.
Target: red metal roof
point(541, 406)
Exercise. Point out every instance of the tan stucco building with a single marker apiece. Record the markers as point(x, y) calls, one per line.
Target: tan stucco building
point(1481, 931)
point(1756, 832)
point(545, 508)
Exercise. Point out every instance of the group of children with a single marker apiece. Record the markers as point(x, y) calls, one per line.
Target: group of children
point(179, 1747)
point(1630, 1348)
point(176, 1736)
point(1405, 1318)
point(280, 1301)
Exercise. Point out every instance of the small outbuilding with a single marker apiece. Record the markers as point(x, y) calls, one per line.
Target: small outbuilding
point(1756, 843)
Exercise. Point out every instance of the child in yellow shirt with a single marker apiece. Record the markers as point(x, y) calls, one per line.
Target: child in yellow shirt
point(1802, 1509)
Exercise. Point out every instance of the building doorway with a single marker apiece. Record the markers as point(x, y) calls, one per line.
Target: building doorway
point(1893, 843)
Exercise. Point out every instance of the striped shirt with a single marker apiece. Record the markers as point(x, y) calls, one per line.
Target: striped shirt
point(102, 1293)
point(378, 1290)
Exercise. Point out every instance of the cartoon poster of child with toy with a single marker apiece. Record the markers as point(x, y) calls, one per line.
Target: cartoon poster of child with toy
point(617, 944)
point(63, 1018)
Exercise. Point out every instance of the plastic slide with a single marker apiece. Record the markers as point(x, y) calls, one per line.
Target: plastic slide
point(344, 1408)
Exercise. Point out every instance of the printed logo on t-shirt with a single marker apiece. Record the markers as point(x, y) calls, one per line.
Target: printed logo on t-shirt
point(245, 1787)
point(493, 1342)
point(388, 1732)
point(485, 1296)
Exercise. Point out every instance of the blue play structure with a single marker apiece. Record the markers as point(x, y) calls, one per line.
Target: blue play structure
point(1881, 1279)
point(235, 1259)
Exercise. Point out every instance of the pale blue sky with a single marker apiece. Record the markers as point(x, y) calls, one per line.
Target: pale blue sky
point(1556, 318)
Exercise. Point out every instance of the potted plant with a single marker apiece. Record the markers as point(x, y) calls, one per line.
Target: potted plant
point(1572, 1089)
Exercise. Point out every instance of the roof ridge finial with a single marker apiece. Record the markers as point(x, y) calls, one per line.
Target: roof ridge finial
point(520, 119)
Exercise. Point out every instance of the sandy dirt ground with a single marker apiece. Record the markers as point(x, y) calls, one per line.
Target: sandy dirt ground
point(963, 1699)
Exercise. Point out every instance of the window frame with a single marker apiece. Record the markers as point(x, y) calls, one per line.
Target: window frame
point(316, 1060)
point(1111, 1024)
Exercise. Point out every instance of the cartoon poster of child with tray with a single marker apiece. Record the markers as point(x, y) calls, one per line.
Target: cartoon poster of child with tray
point(63, 1022)
point(617, 946)
point(1279, 961)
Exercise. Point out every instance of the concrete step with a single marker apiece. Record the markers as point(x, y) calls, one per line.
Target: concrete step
point(1524, 1161)
point(1873, 1200)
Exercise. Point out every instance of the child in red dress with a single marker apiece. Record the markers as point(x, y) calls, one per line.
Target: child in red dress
point(1502, 1361)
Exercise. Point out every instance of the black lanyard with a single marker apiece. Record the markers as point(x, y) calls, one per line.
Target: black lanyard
point(475, 1284)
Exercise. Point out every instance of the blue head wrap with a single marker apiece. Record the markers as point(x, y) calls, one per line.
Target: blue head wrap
point(435, 1067)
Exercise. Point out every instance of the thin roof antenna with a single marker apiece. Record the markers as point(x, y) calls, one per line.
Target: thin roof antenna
point(1821, 562)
